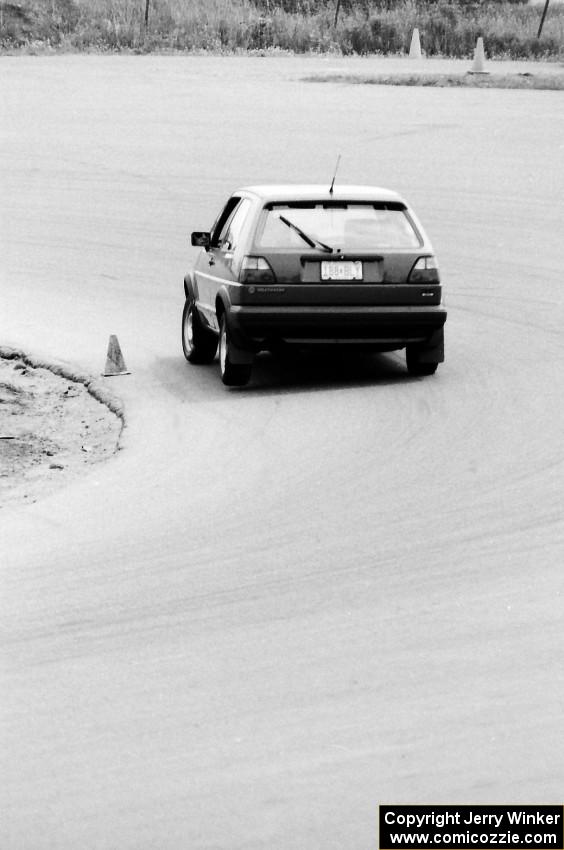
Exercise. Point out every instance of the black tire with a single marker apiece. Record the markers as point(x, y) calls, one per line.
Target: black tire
point(415, 365)
point(232, 374)
point(198, 344)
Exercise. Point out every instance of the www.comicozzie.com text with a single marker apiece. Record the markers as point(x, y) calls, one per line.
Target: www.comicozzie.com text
point(488, 839)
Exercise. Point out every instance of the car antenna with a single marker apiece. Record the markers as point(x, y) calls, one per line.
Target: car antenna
point(334, 175)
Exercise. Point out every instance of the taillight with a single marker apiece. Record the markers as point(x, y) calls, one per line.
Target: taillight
point(256, 270)
point(425, 270)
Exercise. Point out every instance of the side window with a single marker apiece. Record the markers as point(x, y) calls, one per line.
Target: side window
point(223, 220)
point(229, 234)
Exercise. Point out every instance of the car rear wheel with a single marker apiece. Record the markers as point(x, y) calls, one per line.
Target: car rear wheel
point(232, 374)
point(416, 365)
point(199, 345)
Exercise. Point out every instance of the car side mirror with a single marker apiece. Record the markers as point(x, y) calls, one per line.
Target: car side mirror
point(201, 239)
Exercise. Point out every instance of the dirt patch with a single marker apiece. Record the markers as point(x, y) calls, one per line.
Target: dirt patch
point(52, 428)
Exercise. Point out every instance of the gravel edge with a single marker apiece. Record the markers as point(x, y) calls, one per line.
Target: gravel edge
point(69, 373)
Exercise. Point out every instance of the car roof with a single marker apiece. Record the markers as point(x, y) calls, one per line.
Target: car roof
point(319, 192)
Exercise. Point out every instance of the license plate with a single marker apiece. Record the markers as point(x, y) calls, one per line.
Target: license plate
point(341, 270)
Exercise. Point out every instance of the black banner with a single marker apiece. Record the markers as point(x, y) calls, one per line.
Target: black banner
point(471, 827)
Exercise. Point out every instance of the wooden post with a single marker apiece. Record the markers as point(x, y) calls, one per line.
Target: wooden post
point(544, 11)
point(337, 12)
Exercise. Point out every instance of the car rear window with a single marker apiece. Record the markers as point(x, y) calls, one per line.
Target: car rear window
point(341, 226)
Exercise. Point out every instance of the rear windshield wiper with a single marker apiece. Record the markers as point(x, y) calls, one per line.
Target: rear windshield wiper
point(312, 242)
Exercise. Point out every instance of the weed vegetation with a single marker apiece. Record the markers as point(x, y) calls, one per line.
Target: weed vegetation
point(545, 82)
point(447, 27)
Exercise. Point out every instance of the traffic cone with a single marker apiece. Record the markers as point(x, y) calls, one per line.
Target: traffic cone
point(115, 364)
point(479, 66)
point(415, 47)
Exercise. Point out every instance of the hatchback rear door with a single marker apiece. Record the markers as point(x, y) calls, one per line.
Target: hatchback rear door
point(344, 252)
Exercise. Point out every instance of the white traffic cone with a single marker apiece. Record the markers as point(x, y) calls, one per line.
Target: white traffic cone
point(115, 364)
point(415, 47)
point(479, 66)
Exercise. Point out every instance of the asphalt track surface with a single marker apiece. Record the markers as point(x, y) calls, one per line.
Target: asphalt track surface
point(280, 606)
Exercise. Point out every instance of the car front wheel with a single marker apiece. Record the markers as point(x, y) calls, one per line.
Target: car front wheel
point(232, 374)
point(199, 345)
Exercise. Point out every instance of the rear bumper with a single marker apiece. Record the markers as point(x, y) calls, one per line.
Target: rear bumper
point(383, 327)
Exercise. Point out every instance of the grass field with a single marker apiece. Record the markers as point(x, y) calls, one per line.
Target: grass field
point(447, 29)
point(552, 82)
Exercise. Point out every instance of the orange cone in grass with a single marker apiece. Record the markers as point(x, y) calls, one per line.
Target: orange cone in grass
point(415, 47)
point(479, 66)
point(115, 364)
